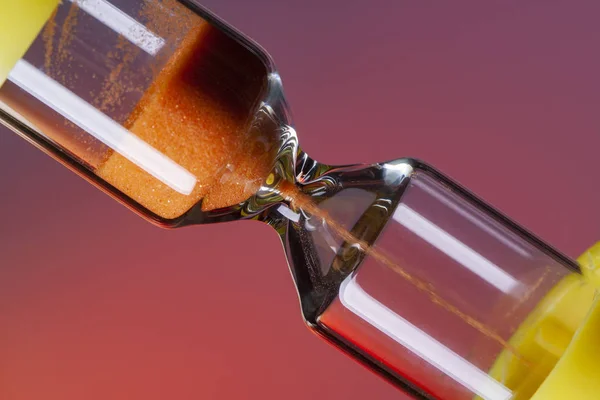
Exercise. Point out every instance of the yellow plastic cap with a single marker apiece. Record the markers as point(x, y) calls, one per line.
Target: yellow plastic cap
point(590, 264)
point(560, 341)
point(20, 22)
point(577, 373)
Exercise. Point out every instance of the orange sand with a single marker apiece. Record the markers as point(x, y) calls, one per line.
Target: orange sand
point(191, 116)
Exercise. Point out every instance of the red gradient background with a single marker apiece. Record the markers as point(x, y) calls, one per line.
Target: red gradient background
point(95, 303)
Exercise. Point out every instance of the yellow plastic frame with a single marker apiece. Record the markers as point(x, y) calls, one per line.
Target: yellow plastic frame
point(20, 23)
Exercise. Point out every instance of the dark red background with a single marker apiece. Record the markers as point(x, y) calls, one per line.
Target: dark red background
point(95, 303)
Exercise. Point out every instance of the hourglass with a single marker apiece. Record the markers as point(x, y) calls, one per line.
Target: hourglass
point(183, 119)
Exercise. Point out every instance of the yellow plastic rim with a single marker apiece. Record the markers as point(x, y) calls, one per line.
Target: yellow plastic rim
point(20, 23)
point(577, 373)
point(561, 337)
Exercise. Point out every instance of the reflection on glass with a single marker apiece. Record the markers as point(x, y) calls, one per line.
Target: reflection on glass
point(122, 24)
point(455, 249)
point(112, 134)
point(355, 299)
point(444, 308)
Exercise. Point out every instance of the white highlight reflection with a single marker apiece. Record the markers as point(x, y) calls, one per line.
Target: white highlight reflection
point(476, 220)
point(395, 172)
point(123, 24)
point(455, 249)
point(103, 128)
point(289, 214)
point(355, 299)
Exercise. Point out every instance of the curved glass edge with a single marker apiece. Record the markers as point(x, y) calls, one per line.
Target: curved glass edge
point(378, 369)
point(382, 184)
point(273, 112)
point(272, 116)
point(325, 182)
point(496, 213)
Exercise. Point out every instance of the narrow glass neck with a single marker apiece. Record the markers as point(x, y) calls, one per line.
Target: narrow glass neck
point(329, 217)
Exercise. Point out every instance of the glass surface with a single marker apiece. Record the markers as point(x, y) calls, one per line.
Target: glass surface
point(455, 285)
point(183, 119)
point(124, 87)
